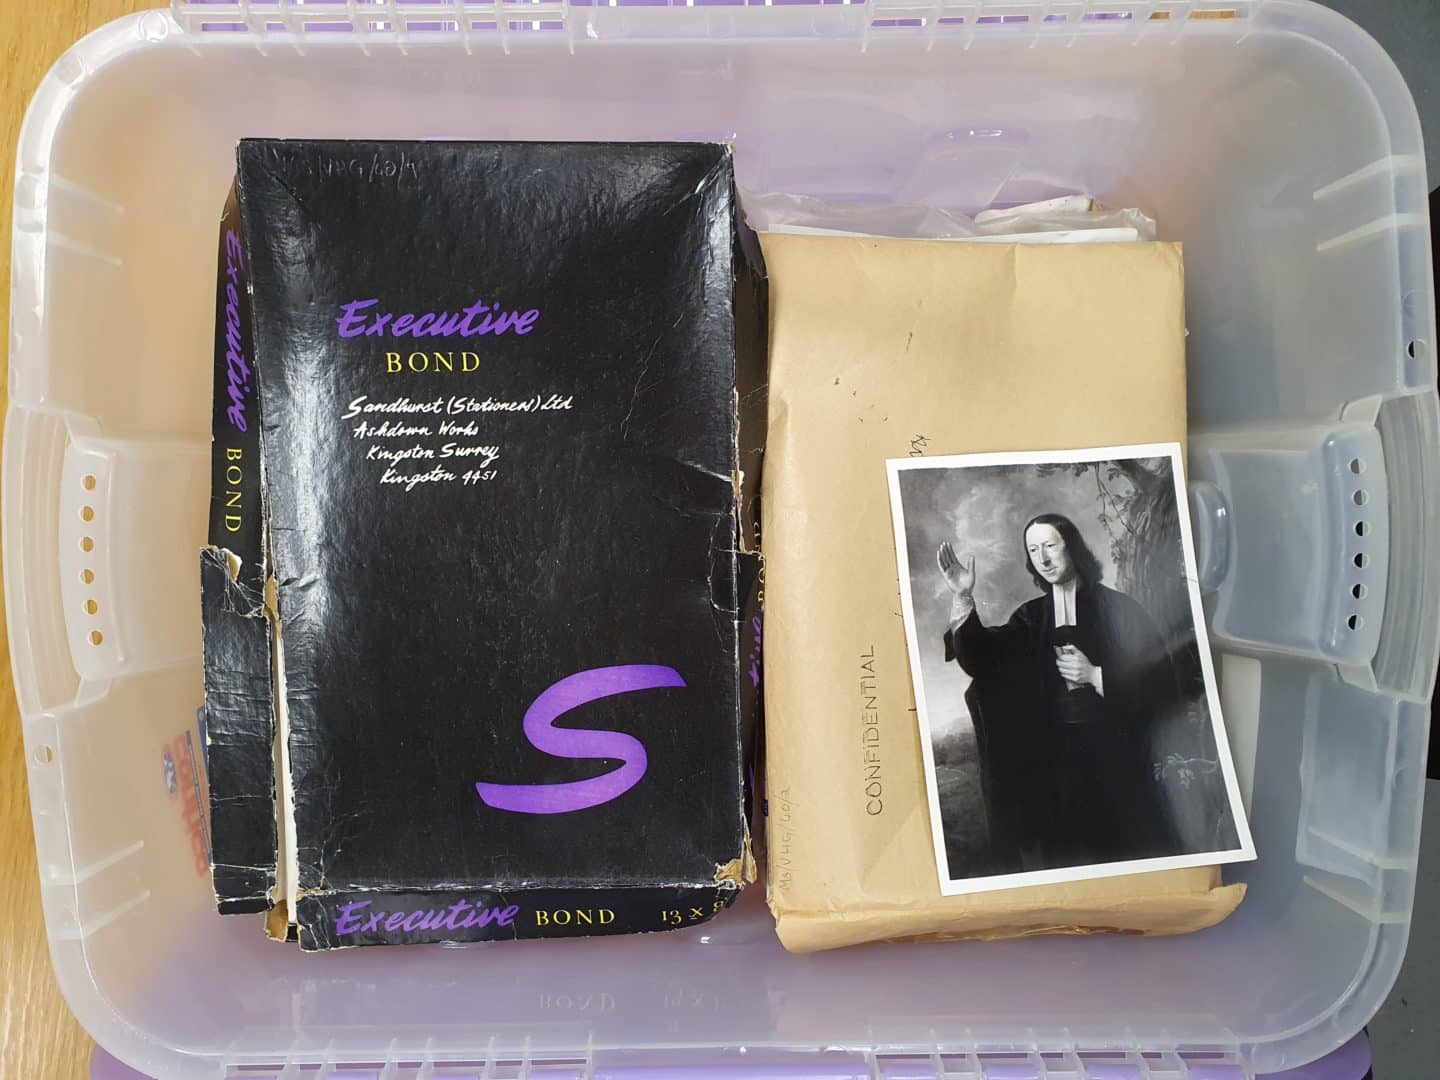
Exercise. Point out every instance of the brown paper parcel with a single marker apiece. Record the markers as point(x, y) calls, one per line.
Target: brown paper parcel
point(883, 349)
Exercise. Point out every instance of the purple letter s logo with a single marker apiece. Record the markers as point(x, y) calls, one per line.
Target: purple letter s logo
point(539, 726)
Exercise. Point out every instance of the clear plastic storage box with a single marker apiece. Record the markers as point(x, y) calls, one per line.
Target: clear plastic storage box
point(1271, 136)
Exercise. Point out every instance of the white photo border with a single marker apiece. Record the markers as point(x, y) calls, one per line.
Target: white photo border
point(949, 886)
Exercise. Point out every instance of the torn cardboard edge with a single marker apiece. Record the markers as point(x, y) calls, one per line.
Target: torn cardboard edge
point(459, 914)
point(340, 918)
point(239, 734)
point(286, 857)
point(751, 320)
point(348, 919)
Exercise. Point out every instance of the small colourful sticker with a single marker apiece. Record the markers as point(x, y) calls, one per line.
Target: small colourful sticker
point(168, 771)
point(181, 776)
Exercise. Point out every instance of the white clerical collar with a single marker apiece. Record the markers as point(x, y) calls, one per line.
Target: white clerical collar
point(1064, 595)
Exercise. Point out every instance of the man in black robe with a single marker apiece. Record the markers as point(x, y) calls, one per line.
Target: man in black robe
point(1064, 700)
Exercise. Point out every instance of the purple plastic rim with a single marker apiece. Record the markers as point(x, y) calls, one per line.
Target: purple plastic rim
point(469, 15)
point(1350, 1062)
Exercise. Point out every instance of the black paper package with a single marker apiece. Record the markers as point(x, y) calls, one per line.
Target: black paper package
point(486, 430)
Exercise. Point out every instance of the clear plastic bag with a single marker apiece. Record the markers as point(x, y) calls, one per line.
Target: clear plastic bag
point(1069, 218)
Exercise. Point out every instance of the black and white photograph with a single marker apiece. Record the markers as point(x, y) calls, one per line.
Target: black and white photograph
point(1064, 688)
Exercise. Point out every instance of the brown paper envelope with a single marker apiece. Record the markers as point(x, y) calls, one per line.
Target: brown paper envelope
point(880, 349)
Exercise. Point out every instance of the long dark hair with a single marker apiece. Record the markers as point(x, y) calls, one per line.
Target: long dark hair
point(1087, 566)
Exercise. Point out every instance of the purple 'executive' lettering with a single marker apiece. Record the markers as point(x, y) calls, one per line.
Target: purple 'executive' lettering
point(755, 652)
point(347, 922)
point(455, 910)
point(351, 323)
point(237, 369)
point(482, 917)
point(539, 726)
point(357, 317)
point(350, 920)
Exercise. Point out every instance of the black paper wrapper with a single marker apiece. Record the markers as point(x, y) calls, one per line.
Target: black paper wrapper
point(503, 416)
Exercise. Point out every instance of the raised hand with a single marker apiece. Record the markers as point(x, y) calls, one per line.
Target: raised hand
point(960, 576)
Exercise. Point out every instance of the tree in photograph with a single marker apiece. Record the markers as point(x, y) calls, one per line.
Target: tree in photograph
point(1141, 517)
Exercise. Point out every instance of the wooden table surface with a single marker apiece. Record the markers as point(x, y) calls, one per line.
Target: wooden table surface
point(39, 1038)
